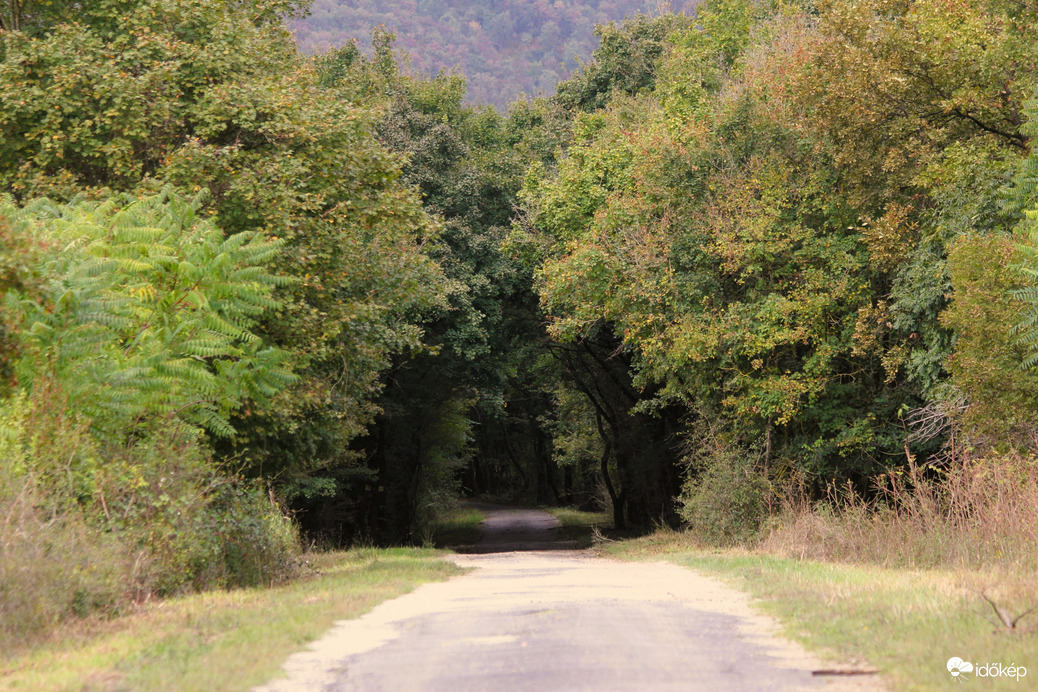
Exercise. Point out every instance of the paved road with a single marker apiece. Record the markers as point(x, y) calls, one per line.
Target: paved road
point(506, 529)
point(556, 620)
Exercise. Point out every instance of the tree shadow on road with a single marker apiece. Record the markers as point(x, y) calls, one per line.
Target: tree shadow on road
point(510, 529)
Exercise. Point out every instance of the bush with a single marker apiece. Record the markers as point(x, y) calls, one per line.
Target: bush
point(986, 363)
point(129, 336)
point(82, 536)
point(725, 499)
point(52, 564)
point(241, 538)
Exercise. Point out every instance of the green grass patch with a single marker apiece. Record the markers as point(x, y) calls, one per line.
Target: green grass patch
point(906, 623)
point(455, 528)
point(579, 526)
point(224, 640)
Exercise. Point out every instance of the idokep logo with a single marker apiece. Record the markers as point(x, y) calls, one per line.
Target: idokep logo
point(958, 669)
point(956, 666)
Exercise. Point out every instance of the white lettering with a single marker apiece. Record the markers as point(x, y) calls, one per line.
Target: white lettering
point(957, 666)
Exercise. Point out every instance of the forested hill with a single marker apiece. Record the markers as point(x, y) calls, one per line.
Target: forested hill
point(504, 49)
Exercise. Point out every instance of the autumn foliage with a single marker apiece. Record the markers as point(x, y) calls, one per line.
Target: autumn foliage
point(760, 253)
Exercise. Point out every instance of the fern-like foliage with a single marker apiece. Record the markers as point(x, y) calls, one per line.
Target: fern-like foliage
point(1024, 199)
point(1024, 194)
point(148, 311)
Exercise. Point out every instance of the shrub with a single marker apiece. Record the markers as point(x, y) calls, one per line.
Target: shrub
point(725, 499)
point(91, 523)
point(52, 564)
point(246, 539)
point(986, 365)
point(197, 528)
point(122, 532)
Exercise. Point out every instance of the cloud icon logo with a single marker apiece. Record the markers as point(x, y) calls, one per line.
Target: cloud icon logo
point(956, 666)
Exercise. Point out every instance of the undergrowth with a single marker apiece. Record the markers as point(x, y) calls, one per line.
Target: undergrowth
point(979, 512)
point(80, 537)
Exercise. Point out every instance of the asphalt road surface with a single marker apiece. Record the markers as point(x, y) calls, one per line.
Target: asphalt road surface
point(533, 618)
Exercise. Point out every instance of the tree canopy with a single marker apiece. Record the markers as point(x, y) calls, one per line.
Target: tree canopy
point(765, 245)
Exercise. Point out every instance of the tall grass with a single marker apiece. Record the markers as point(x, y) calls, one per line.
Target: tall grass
point(60, 566)
point(224, 640)
point(88, 527)
point(53, 567)
point(978, 512)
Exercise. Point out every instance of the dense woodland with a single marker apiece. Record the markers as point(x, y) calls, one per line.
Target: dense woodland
point(503, 49)
point(251, 295)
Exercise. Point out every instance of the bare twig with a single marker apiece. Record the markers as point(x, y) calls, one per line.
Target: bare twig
point(1008, 621)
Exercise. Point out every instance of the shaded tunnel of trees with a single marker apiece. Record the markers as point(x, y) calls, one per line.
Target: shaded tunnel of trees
point(744, 246)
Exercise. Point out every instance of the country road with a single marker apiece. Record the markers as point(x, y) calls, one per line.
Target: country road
point(531, 616)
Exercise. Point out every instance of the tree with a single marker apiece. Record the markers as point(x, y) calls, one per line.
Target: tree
point(149, 311)
point(204, 94)
point(753, 268)
point(459, 160)
point(624, 63)
point(134, 338)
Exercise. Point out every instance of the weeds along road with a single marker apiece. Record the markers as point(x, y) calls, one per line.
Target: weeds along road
point(532, 618)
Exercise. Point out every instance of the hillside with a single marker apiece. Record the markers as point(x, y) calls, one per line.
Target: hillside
point(520, 46)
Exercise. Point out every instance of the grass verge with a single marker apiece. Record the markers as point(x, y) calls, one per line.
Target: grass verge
point(455, 528)
point(579, 526)
point(906, 623)
point(223, 640)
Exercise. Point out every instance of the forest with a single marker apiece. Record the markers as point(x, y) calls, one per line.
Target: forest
point(769, 258)
point(502, 49)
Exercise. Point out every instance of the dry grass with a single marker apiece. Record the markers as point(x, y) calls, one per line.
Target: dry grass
point(906, 623)
point(57, 567)
point(92, 531)
point(937, 564)
point(979, 514)
point(219, 640)
point(53, 566)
